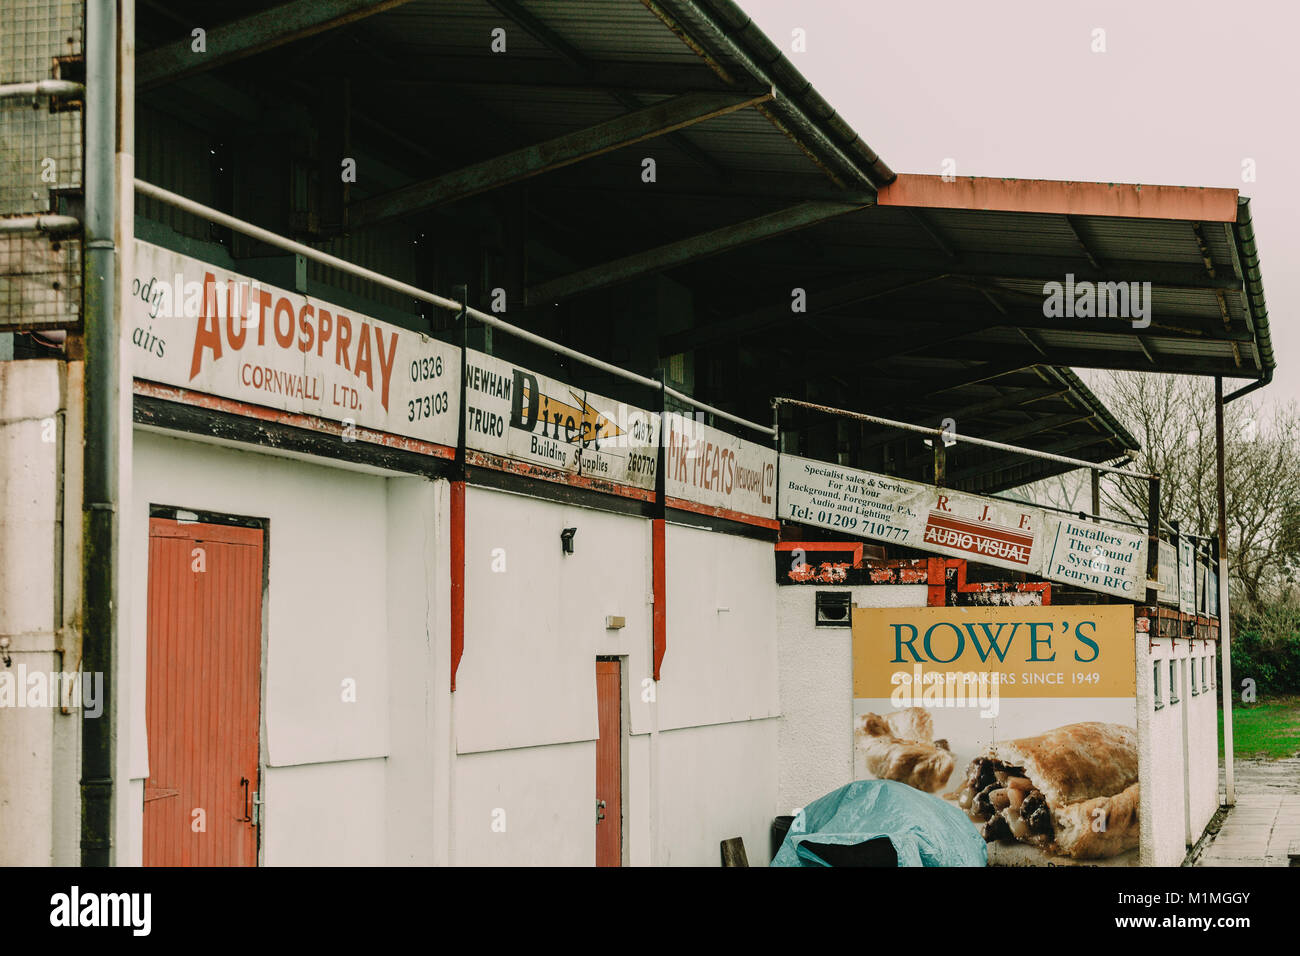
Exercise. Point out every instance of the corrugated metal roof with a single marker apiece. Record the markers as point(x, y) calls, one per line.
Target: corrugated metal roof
point(970, 282)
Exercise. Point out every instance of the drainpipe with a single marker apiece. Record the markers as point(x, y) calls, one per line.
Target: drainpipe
point(100, 491)
point(1225, 648)
point(52, 88)
point(44, 224)
point(1246, 390)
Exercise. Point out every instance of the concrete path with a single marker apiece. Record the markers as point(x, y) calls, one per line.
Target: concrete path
point(1265, 820)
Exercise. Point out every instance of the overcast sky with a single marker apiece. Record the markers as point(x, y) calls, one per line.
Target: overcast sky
point(1183, 94)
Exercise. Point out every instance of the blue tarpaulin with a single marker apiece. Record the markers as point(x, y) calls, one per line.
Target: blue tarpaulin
point(925, 830)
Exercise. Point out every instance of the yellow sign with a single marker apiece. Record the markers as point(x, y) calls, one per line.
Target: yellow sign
point(1061, 651)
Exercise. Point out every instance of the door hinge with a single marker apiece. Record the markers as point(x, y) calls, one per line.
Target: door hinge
point(257, 807)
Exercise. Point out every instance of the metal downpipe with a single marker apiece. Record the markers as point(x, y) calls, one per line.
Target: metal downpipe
point(100, 489)
point(1225, 617)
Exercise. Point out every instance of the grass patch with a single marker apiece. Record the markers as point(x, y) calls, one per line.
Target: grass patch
point(1262, 729)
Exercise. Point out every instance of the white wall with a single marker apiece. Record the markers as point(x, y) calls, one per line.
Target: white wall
point(721, 661)
point(40, 523)
point(534, 629)
point(325, 814)
point(1160, 755)
point(533, 806)
point(356, 591)
point(525, 704)
point(719, 698)
point(717, 782)
point(816, 726)
point(1203, 743)
point(418, 807)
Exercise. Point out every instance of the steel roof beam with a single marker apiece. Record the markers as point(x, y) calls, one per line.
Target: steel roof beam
point(952, 379)
point(576, 59)
point(1117, 359)
point(819, 301)
point(676, 113)
point(914, 344)
point(898, 386)
point(1068, 446)
point(541, 32)
point(680, 182)
point(1034, 318)
point(1005, 266)
point(1023, 395)
point(1073, 225)
point(253, 34)
point(931, 230)
point(1188, 328)
point(1029, 337)
point(1208, 259)
point(500, 74)
point(1015, 433)
point(930, 327)
point(1173, 327)
point(686, 250)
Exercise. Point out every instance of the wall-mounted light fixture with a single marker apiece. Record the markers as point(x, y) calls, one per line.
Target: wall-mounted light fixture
point(566, 539)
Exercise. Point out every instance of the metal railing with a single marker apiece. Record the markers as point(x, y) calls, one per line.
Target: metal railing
point(441, 301)
point(944, 436)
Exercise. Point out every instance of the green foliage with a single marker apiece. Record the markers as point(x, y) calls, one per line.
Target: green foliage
point(1266, 647)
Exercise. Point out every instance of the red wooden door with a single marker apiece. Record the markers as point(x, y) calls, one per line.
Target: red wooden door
point(203, 695)
point(609, 764)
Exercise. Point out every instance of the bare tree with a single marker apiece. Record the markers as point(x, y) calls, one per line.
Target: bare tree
point(1173, 419)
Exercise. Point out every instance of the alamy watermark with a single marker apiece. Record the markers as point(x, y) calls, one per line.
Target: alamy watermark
point(20, 687)
point(921, 688)
point(1099, 300)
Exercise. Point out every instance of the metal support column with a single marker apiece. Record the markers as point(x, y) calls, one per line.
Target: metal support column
point(1225, 646)
point(1153, 539)
point(100, 478)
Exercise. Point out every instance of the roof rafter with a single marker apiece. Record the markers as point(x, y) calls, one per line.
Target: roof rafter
point(683, 110)
point(686, 250)
point(252, 34)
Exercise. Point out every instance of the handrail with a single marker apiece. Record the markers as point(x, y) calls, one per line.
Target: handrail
point(942, 433)
point(443, 302)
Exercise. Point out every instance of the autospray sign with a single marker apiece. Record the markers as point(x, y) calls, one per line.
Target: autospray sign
point(992, 531)
point(205, 329)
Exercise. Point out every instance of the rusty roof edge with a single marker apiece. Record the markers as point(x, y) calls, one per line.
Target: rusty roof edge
point(1054, 197)
point(1248, 254)
point(795, 94)
point(1070, 379)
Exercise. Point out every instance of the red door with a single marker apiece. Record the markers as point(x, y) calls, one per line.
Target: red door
point(203, 694)
point(609, 764)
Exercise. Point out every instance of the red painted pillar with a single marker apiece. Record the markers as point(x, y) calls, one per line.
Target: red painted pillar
point(659, 573)
point(457, 577)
